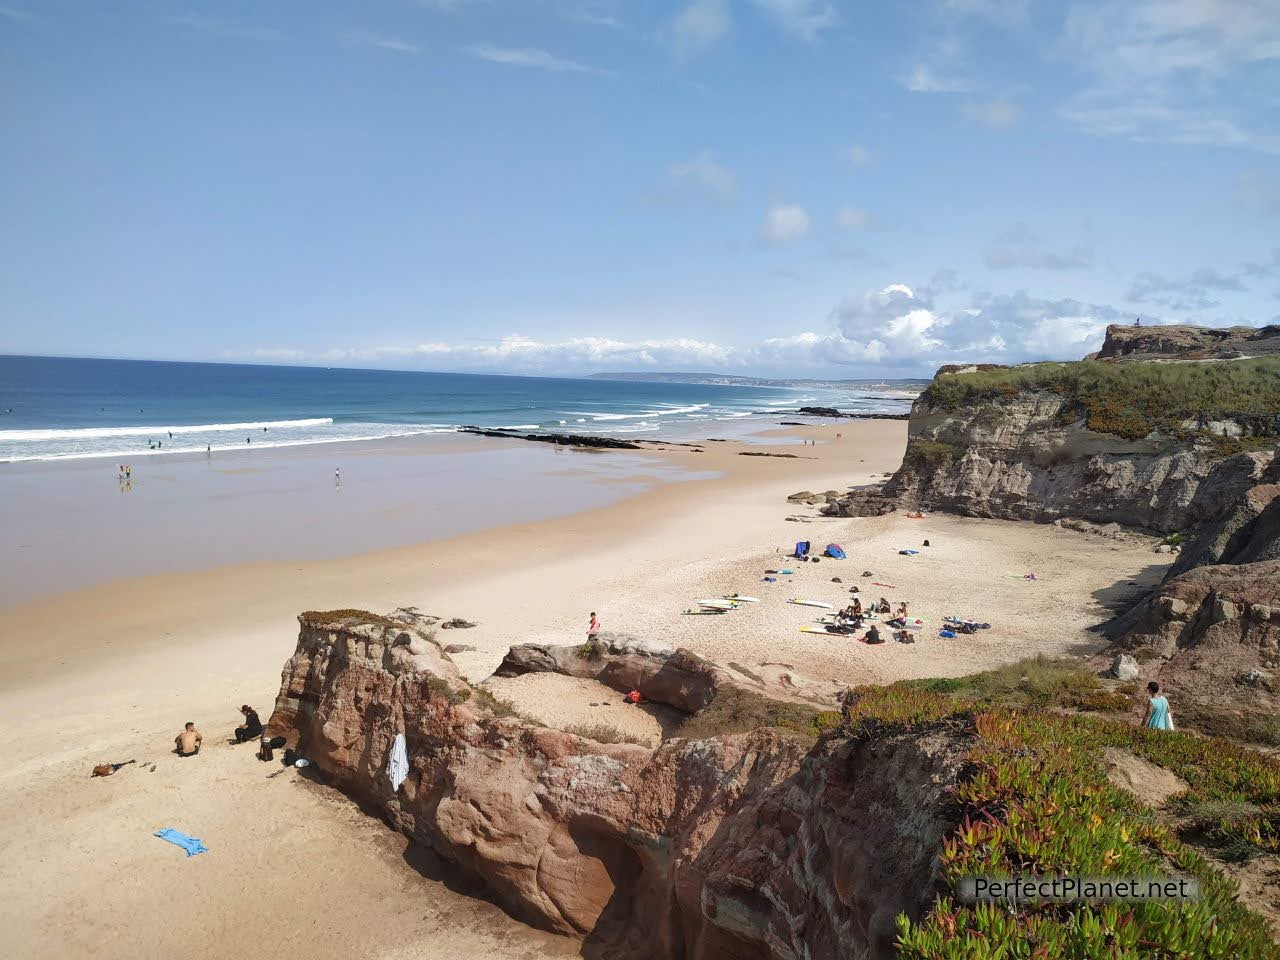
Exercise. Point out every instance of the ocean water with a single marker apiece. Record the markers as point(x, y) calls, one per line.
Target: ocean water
point(54, 408)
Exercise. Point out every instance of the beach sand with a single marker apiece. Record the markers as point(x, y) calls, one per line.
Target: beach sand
point(111, 671)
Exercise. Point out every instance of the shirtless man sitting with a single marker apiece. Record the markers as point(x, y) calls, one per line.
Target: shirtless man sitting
point(188, 741)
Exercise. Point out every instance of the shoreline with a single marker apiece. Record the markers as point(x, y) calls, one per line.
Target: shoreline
point(110, 672)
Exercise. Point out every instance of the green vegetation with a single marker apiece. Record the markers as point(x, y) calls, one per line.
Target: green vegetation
point(738, 711)
point(498, 706)
point(1265, 730)
point(603, 733)
point(320, 618)
point(1039, 682)
point(1132, 400)
point(1034, 799)
point(591, 650)
point(440, 687)
point(931, 453)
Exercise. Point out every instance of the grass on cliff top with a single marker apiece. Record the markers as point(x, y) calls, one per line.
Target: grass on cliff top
point(1033, 798)
point(320, 618)
point(1130, 399)
point(603, 733)
point(738, 711)
point(1038, 682)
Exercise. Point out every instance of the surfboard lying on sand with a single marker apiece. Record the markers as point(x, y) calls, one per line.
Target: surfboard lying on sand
point(717, 604)
point(813, 603)
point(736, 598)
point(822, 630)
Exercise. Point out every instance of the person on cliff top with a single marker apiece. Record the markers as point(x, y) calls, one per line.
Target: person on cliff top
point(188, 741)
point(594, 628)
point(1158, 716)
point(252, 726)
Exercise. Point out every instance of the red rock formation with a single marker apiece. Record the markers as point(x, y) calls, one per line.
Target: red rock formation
point(759, 845)
point(1213, 635)
point(676, 677)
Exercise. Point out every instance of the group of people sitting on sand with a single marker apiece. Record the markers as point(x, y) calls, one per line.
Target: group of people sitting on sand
point(189, 740)
point(851, 618)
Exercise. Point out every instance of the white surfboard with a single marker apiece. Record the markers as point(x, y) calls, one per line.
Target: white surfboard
point(813, 603)
point(736, 598)
point(716, 604)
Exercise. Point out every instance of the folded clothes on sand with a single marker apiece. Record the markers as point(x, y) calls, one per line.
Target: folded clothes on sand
point(179, 839)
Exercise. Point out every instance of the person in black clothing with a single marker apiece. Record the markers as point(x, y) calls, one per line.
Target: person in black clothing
point(252, 726)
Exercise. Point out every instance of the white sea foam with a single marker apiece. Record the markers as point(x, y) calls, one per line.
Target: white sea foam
point(95, 433)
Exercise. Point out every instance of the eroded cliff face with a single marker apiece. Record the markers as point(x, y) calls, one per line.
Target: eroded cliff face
point(750, 845)
point(1024, 458)
point(1188, 342)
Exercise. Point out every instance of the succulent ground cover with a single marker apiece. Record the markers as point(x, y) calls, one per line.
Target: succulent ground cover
point(1034, 800)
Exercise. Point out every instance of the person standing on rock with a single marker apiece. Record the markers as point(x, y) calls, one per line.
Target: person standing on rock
point(594, 628)
point(1158, 716)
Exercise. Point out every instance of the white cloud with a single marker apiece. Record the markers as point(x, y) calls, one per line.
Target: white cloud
point(1260, 190)
point(697, 181)
point(923, 78)
point(1008, 13)
point(698, 27)
point(1019, 247)
point(222, 28)
point(785, 223)
point(530, 57)
point(804, 18)
point(857, 155)
point(854, 218)
point(18, 16)
point(998, 114)
point(380, 42)
point(1178, 71)
point(897, 326)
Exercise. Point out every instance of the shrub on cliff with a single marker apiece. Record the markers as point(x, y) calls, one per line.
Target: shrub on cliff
point(1036, 800)
point(1132, 400)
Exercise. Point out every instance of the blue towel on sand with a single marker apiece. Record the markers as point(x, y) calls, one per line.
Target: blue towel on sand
point(177, 838)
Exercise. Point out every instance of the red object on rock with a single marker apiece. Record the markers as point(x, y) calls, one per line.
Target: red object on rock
point(634, 697)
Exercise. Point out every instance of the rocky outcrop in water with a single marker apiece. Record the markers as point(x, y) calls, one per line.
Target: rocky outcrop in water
point(760, 844)
point(560, 439)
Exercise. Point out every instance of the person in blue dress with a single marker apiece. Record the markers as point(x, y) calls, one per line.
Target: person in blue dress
point(1158, 716)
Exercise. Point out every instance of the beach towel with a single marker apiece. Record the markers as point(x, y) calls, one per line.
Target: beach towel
point(877, 583)
point(949, 634)
point(398, 763)
point(179, 839)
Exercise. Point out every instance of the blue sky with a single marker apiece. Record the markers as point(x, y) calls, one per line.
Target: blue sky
point(794, 187)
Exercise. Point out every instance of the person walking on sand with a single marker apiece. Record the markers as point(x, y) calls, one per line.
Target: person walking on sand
point(1158, 716)
point(594, 628)
point(188, 741)
point(337, 476)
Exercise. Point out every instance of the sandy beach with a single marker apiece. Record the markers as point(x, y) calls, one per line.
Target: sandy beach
point(110, 671)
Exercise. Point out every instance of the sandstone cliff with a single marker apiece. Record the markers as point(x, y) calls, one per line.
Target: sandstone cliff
point(1188, 342)
point(1160, 445)
point(760, 844)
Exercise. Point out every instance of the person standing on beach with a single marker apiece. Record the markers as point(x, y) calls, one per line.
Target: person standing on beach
point(594, 628)
point(337, 476)
point(1158, 716)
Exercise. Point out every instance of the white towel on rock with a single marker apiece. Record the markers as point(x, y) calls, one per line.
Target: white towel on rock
point(398, 763)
